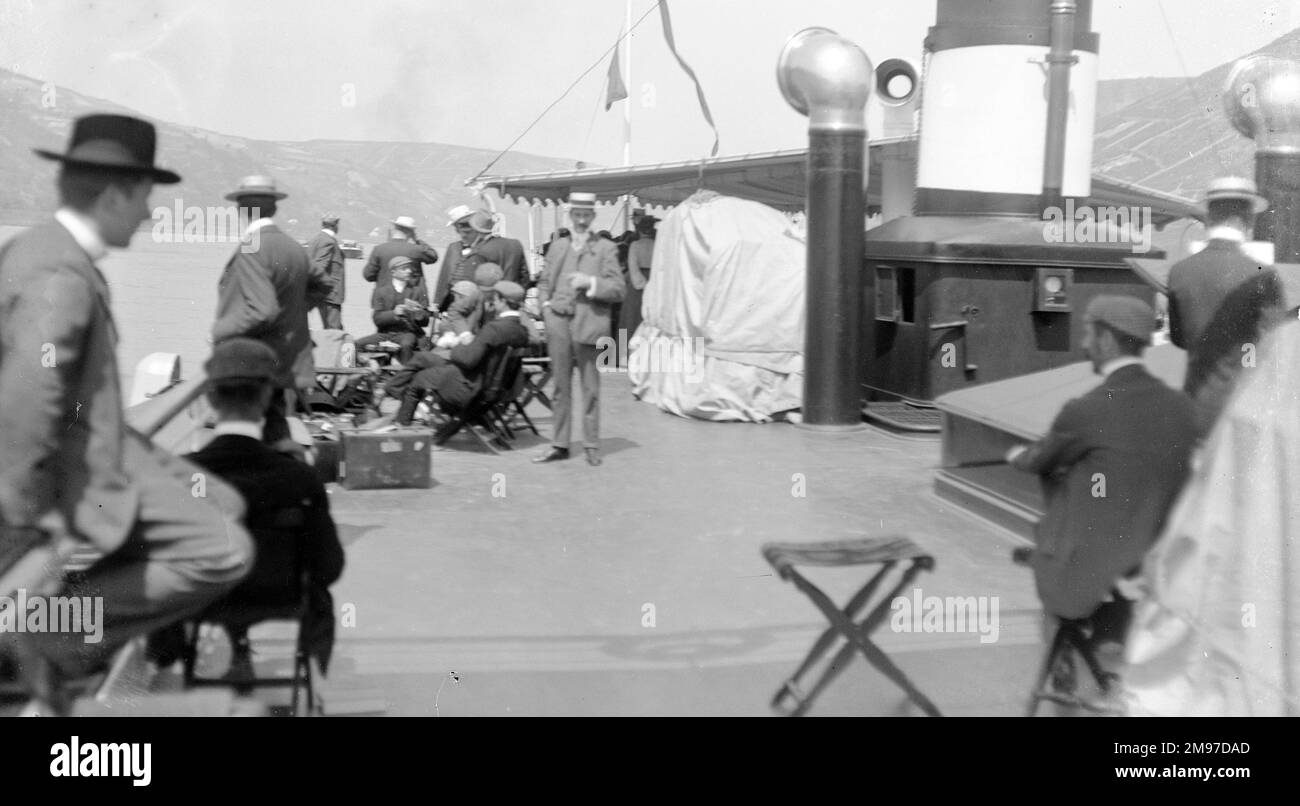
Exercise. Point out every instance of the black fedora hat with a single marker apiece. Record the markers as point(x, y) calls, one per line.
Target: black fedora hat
point(114, 143)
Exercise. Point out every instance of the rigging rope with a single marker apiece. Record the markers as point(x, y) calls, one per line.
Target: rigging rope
point(564, 94)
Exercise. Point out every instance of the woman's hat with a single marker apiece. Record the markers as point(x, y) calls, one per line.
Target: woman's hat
point(115, 143)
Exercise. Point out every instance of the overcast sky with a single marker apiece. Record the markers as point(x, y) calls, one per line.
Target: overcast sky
point(477, 73)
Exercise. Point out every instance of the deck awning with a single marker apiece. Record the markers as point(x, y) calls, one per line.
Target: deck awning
point(775, 178)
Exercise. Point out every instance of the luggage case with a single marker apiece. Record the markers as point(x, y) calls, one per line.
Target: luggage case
point(373, 460)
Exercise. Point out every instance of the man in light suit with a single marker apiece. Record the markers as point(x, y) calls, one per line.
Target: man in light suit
point(265, 292)
point(68, 461)
point(581, 282)
point(327, 257)
point(1221, 300)
point(1111, 465)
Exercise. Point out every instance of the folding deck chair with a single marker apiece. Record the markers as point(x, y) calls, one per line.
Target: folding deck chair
point(885, 551)
point(498, 378)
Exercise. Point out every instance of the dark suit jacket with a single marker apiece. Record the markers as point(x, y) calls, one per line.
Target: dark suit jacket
point(1112, 465)
point(61, 428)
point(460, 379)
point(376, 270)
point(1219, 300)
point(265, 294)
point(286, 503)
point(590, 312)
point(327, 256)
point(386, 298)
point(507, 253)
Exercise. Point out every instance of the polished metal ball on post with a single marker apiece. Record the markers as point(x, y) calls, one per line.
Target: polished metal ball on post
point(828, 78)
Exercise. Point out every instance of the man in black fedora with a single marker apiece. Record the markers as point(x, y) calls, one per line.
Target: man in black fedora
point(68, 461)
point(265, 292)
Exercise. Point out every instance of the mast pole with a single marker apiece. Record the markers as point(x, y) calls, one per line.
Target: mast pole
point(627, 115)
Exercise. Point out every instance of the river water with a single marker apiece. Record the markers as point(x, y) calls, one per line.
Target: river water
point(164, 297)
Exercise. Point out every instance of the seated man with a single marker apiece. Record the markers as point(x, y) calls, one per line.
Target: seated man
point(285, 497)
point(464, 313)
point(401, 310)
point(458, 379)
point(1111, 467)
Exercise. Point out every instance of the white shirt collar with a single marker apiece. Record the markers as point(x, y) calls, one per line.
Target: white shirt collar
point(1223, 233)
point(507, 313)
point(257, 225)
point(238, 428)
point(329, 232)
point(84, 231)
point(1110, 367)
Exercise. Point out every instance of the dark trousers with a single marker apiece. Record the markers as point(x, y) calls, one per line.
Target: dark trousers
point(331, 315)
point(405, 343)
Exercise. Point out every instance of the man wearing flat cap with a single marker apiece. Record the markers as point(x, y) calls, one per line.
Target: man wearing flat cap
point(459, 378)
point(400, 309)
point(1221, 299)
point(265, 292)
point(68, 461)
point(1111, 465)
point(288, 508)
point(327, 257)
point(401, 243)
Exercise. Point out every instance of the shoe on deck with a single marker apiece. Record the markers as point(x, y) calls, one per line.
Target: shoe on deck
point(552, 454)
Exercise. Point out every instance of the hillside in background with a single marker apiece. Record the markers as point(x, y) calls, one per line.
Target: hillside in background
point(366, 183)
point(1116, 93)
point(1178, 138)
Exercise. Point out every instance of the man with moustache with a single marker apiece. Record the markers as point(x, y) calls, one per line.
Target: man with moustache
point(68, 461)
point(582, 280)
point(477, 245)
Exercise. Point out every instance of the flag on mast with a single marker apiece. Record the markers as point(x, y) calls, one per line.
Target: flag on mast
point(616, 91)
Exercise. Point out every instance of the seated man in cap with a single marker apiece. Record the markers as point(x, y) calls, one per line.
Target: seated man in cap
point(401, 310)
point(1221, 299)
point(459, 378)
point(1111, 466)
point(402, 243)
point(287, 504)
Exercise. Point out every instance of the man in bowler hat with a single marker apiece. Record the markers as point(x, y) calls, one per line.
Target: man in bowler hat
point(68, 461)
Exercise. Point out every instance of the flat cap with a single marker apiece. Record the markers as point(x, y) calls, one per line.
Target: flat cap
point(512, 292)
point(488, 274)
point(241, 359)
point(399, 261)
point(1128, 315)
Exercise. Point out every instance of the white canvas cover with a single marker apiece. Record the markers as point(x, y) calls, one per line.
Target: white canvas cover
point(723, 313)
point(1219, 631)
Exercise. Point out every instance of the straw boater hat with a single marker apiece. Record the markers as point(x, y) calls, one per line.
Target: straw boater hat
point(1234, 187)
point(256, 185)
point(582, 201)
point(115, 143)
point(459, 213)
point(403, 221)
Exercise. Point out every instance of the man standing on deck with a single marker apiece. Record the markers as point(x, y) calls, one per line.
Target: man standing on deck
point(68, 461)
point(327, 257)
point(403, 243)
point(1221, 300)
point(581, 281)
point(478, 244)
point(265, 292)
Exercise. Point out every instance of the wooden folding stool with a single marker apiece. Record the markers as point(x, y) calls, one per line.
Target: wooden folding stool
point(886, 551)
